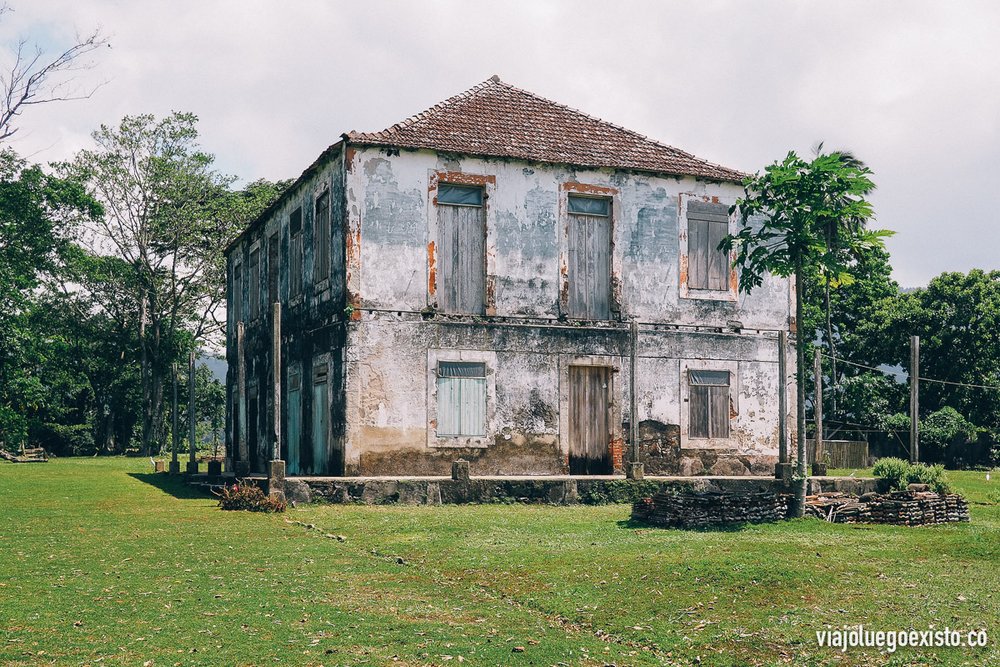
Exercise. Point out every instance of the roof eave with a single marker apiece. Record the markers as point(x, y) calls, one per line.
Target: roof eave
point(318, 163)
point(737, 177)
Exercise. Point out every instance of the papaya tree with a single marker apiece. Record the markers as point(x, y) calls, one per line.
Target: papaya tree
point(800, 214)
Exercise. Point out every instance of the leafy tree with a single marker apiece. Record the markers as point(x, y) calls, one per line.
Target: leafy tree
point(957, 317)
point(169, 214)
point(801, 214)
point(38, 212)
point(837, 314)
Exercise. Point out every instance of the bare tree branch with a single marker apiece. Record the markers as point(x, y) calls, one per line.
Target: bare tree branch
point(33, 79)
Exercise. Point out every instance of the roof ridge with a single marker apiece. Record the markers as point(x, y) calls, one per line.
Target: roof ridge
point(588, 116)
point(422, 129)
point(417, 117)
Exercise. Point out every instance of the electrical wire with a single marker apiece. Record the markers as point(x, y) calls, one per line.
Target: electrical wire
point(921, 379)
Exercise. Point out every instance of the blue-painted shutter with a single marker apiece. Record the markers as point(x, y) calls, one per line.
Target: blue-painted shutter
point(461, 399)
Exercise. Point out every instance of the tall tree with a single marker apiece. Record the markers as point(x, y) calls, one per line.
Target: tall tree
point(37, 214)
point(957, 317)
point(788, 214)
point(169, 214)
point(162, 196)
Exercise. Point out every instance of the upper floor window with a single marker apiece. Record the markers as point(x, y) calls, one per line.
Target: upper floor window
point(708, 267)
point(461, 249)
point(321, 264)
point(237, 300)
point(253, 276)
point(273, 249)
point(295, 253)
point(589, 257)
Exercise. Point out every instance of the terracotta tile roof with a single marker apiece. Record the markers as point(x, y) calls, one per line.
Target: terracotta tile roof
point(496, 119)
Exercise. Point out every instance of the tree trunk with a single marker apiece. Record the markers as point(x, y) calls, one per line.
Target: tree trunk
point(800, 390)
point(144, 379)
point(833, 349)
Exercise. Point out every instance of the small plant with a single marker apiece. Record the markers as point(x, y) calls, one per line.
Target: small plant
point(896, 474)
point(248, 497)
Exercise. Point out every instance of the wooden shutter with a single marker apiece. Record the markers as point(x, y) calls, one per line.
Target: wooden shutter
point(461, 398)
point(709, 404)
point(461, 253)
point(293, 432)
point(321, 265)
point(589, 424)
point(320, 418)
point(295, 253)
point(237, 295)
point(708, 267)
point(253, 275)
point(272, 270)
point(589, 255)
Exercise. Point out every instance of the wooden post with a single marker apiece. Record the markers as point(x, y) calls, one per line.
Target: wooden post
point(175, 466)
point(782, 397)
point(276, 470)
point(819, 459)
point(192, 466)
point(243, 464)
point(276, 386)
point(914, 399)
point(634, 469)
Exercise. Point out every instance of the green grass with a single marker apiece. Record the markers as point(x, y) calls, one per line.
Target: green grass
point(102, 563)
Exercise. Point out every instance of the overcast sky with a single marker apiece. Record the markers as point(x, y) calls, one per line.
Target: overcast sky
point(912, 87)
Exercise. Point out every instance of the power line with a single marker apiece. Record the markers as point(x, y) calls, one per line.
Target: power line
point(922, 379)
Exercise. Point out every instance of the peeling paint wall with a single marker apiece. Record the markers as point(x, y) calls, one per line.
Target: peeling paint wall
point(380, 322)
point(313, 328)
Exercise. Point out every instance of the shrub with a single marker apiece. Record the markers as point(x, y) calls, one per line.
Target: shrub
point(248, 497)
point(67, 439)
point(893, 473)
point(896, 474)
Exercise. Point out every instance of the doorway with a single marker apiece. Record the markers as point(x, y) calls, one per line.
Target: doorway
point(589, 420)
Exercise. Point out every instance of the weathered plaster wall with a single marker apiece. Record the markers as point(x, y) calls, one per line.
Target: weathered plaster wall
point(390, 195)
point(389, 391)
point(312, 323)
point(377, 322)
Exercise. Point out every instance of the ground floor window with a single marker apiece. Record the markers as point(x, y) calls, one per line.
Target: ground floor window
point(709, 417)
point(461, 398)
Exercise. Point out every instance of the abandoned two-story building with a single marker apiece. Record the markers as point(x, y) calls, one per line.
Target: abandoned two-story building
point(506, 280)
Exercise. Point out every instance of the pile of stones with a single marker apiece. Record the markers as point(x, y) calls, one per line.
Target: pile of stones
point(899, 508)
point(698, 509)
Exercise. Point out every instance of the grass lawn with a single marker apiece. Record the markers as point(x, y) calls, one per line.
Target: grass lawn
point(104, 563)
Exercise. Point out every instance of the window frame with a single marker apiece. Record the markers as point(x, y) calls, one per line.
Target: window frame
point(237, 291)
point(713, 441)
point(434, 282)
point(296, 256)
point(321, 279)
point(684, 227)
point(616, 212)
point(253, 288)
point(445, 440)
point(462, 430)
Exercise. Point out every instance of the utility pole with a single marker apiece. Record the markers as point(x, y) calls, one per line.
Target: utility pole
point(818, 454)
point(192, 466)
point(175, 466)
point(242, 449)
point(914, 399)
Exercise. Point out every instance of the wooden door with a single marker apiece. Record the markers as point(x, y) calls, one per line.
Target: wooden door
point(589, 420)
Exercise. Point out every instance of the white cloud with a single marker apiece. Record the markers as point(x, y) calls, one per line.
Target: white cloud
point(911, 88)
